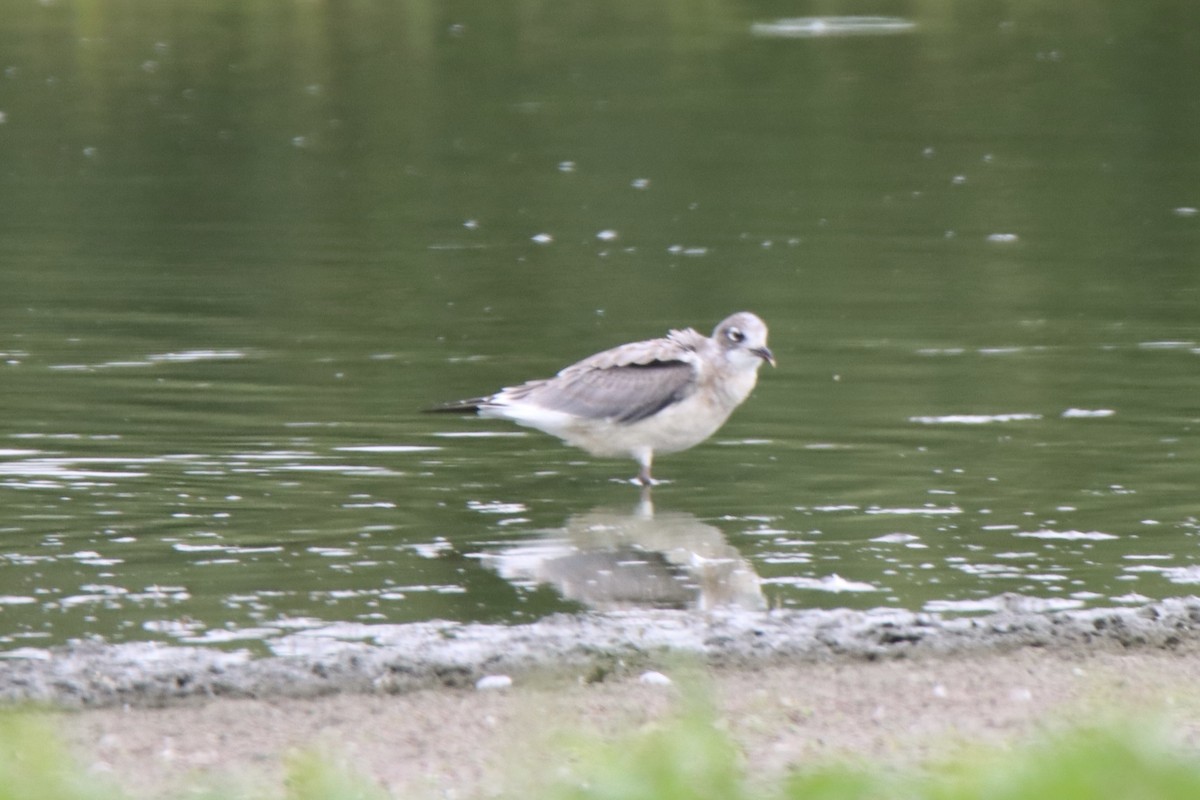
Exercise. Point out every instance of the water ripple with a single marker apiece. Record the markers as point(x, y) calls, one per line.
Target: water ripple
point(813, 27)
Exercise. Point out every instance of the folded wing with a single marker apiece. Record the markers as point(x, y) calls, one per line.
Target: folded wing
point(626, 393)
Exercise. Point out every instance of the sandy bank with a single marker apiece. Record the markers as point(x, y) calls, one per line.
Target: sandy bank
point(398, 703)
point(466, 743)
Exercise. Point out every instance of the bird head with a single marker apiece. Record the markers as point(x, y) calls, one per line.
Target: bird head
point(743, 335)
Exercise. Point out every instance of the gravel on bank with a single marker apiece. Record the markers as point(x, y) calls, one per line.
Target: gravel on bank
point(399, 658)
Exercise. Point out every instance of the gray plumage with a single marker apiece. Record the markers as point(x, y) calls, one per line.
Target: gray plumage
point(660, 395)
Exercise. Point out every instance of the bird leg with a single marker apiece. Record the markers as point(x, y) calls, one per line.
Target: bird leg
point(644, 458)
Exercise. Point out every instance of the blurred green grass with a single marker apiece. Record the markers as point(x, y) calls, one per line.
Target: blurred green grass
point(689, 757)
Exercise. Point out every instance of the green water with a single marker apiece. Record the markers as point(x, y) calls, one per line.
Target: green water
point(243, 243)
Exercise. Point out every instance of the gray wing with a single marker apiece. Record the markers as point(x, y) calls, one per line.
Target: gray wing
point(625, 393)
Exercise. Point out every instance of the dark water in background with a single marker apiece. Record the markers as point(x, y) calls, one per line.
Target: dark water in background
point(242, 243)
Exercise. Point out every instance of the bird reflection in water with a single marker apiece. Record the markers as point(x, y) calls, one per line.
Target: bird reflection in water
point(611, 560)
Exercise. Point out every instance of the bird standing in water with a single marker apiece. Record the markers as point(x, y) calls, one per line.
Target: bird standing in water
point(657, 396)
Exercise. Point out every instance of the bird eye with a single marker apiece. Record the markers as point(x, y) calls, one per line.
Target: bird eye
point(736, 336)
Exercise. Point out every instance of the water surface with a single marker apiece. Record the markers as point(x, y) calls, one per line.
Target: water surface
point(245, 243)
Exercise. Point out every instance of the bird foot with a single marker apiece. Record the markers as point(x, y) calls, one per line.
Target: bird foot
point(646, 482)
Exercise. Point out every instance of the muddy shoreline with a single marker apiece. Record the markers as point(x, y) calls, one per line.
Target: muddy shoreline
point(392, 659)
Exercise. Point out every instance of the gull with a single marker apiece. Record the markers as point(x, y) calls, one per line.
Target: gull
point(634, 400)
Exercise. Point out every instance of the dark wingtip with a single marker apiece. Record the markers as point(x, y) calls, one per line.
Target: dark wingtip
point(457, 407)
